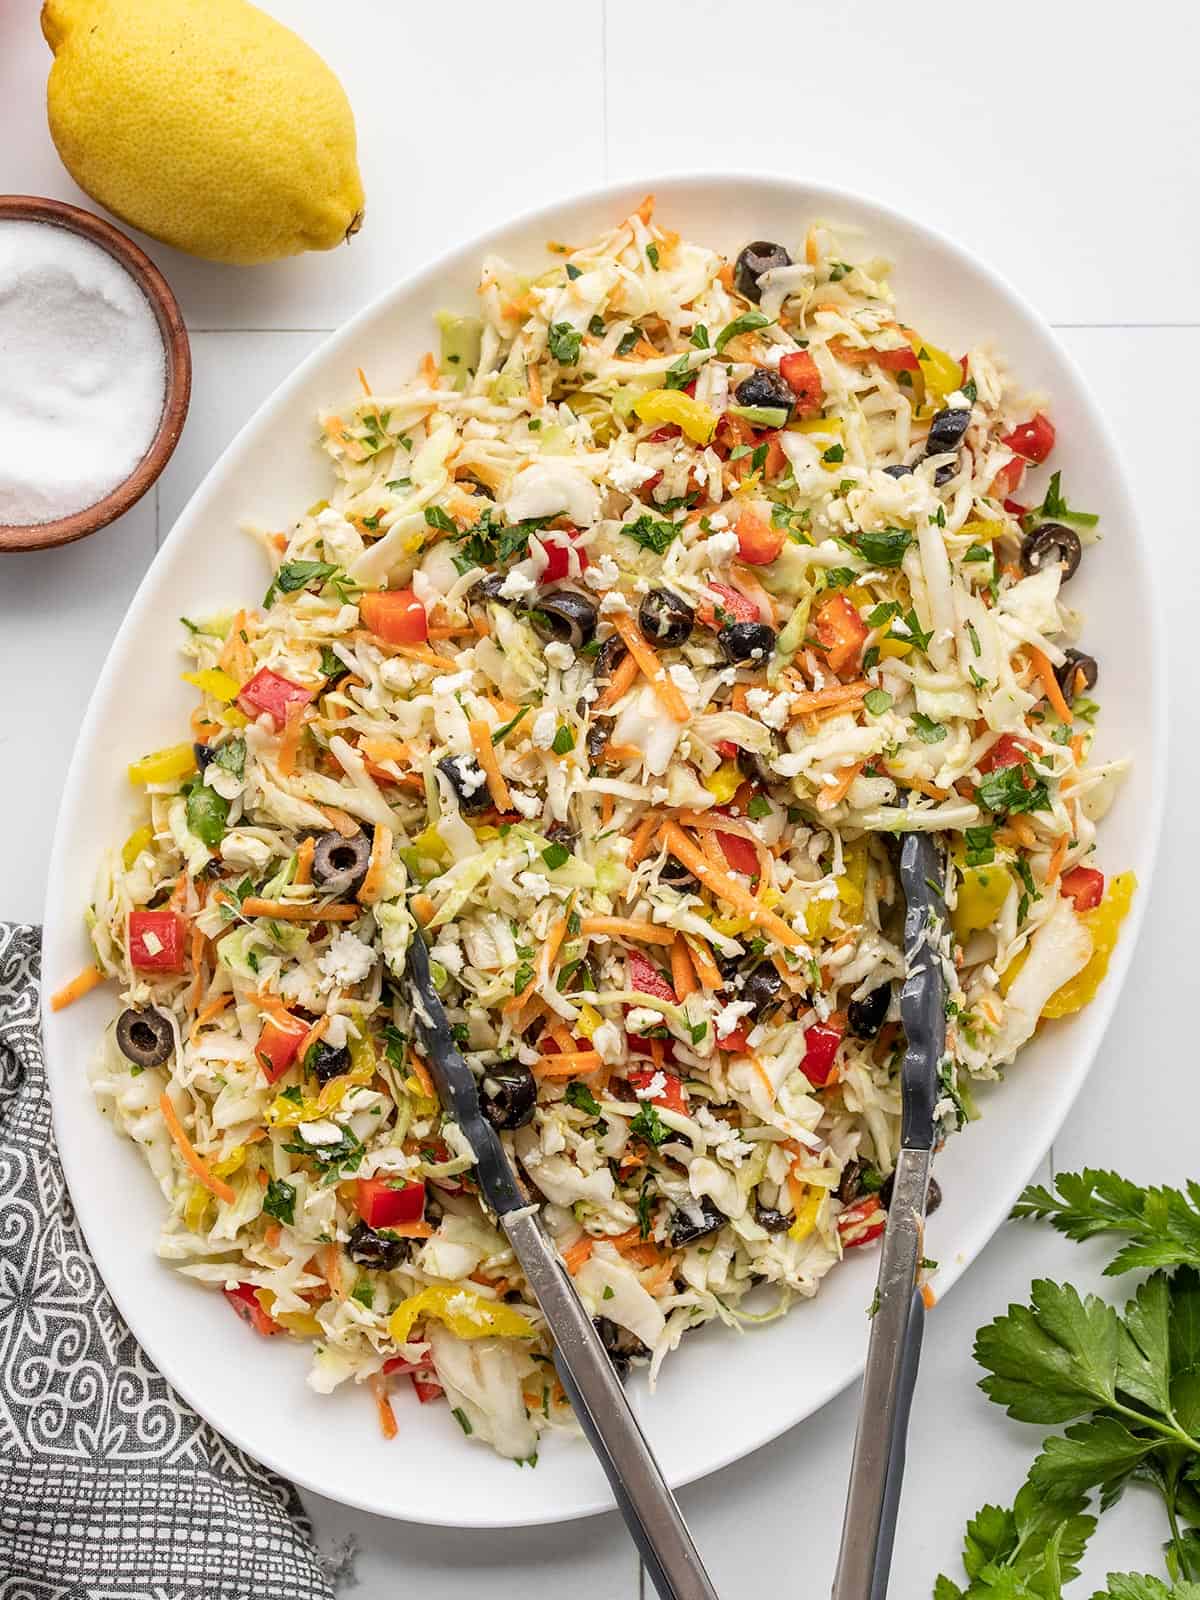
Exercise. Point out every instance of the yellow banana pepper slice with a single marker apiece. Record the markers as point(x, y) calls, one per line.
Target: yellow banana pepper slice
point(1104, 925)
point(941, 372)
point(164, 766)
point(467, 1315)
point(696, 420)
point(140, 839)
point(807, 1214)
point(725, 782)
point(213, 681)
point(981, 894)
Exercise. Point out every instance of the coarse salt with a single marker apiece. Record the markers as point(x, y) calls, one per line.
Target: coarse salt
point(82, 373)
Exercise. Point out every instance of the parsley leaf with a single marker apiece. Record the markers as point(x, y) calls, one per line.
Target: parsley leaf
point(564, 740)
point(928, 731)
point(555, 856)
point(834, 454)
point(1053, 1360)
point(1162, 1224)
point(627, 341)
point(435, 517)
point(651, 533)
point(1025, 1553)
point(280, 1201)
point(1054, 508)
point(758, 807)
point(877, 701)
point(652, 255)
point(580, 1096)
point(564, 342)
point(699, 339)
point(981, 849)
point(746, 323)
point(1009, 789)
point(650, 1126)
point(884, 548)
point(295, 575)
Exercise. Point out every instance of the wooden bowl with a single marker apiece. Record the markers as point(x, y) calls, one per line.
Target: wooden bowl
point(178, 360)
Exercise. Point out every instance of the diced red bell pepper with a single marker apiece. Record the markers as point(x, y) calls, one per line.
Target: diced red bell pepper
point(758, 542)
point(558, 543)
point(1085, 886)
point(156, 941)
point(645, 977)
point(395, 615)
point(1015, 509)
point(1033, 439)
point(244, 1300)
point(799, 371)
point(671, 1094)
point(651, 483)
point(732, 602)
point(862, 1222)
point(820, 1048)
point(737, 1041)
point(277, 1047)
point(739, 853)
point(424, 1380)
point(1008, 479)
point(842, 631)
point(1006, 752)
point(903, 359)
point(381, 1205)
point(268, 692)
point(726, 748)
point(669, 430)
point(777, 462)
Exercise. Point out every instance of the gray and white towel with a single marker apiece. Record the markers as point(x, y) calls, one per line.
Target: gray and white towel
point(111, 1487)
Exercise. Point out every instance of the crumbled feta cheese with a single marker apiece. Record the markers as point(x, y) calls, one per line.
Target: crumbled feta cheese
point(718, 522)
point(772, 710)
point(337, 1030)
point(559, 655)
point(720, 547)
point(322, 1132)
point(683, 677)
point(653, 1089)
point(449, 955)
point(517, 584)
point(225, 783)
point(449, 683)
point(545, 726)
point(527, 804)
point(628, 476)
point(641, 1019)
point(602, 573)
point(346, 962)
point(614, 601)
point(729, 1016)
point(534, 883)
point(608, 1043)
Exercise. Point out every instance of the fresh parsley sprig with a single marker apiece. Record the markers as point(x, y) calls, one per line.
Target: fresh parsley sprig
point(1163, 1224)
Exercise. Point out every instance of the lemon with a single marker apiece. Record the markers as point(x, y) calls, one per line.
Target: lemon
point(204, 123)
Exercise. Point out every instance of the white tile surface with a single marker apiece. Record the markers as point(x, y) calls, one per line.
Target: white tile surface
point(1059, 145)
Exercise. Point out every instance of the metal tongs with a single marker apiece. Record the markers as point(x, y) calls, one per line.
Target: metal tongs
point(646, 1502)
point(877, 1469)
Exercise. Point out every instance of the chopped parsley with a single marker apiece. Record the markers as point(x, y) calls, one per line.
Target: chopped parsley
point(437, 518)
point(877, 701)
point(650, 1126)
point(981, 848)
point(652, 255)
point(280, 1201)
point(758, 807)
point(296, 575)
point(885, 547)
point(555, 856)
point(564, 740)
point(564, 342)
point(928, 731)
point(582, 1098)
point(651, 532)
point(746, 323)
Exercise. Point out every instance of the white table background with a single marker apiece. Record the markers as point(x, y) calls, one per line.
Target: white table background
point(1060, 141)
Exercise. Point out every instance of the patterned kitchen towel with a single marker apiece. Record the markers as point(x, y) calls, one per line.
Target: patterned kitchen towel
point(111, 1488)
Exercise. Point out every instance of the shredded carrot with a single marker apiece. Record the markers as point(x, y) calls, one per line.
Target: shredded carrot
point(537, 398)
point(832, 793)
point(331, 1268)
point(928, 1298)
point(923, 786)
point(1059, 854)
point(662, 1275)
point(628, 928)
point(763, 1075)
point(236, 658)
point(381, 855)
point(712, 851)
point(197, 960)
point(570, 1064)
point(341, 820)
point(362, 378)
point(707, 970)
point(187, 1150)
point(387, 1417)
point(213, 1009)
point(1077, 743)
point(422, 908)
point(428, 369)
point(179, 892)
point(683, 974)
point(651, 667)
point(316, 1032)
point(622, 753)
point(290, 911)
point(619, 684)
point(380, 749)
point(722, 884)
point(422, 652)
point(412, 1230)
point(840, 694)
point(576, 1254)
point(202, 729)
point(272, 1235)
point(304, 856)
point(485, 754)
point(83, 983)
point(289, 744)
point(646, 210)
point(810, 246)
point(738, 696)
point(421, 1073)
point(607, 807)
point(641, 840)
point(1050, 684)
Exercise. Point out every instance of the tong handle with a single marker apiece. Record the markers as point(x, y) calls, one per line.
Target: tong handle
point(650, 1510)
